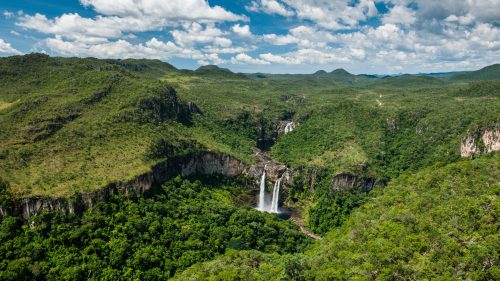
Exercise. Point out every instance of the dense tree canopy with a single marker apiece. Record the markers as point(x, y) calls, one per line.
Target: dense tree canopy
point(72, 126)
point(141, 238)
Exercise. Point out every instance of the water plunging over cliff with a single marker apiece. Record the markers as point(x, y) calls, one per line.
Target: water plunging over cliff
point(276, 196)
point(262, 206)
point(288, 127)
point(262, 192)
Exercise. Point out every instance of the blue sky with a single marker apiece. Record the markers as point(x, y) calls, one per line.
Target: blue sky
point(276, 36)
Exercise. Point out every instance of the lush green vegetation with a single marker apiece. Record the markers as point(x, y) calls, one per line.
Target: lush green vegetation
point(75, 125)
point(331, 209)
point(70, 125)
point(491, 72)
point(142, 238)
point(382, 133)
point(437, 224)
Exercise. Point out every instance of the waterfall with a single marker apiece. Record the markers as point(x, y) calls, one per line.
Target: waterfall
point(288, 127)
point(276, 196)
point(262, 195)
point(262, 203)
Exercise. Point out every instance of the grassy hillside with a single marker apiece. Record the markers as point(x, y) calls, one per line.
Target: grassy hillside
point(71, 125)
point(491, 72)
point(387, 130)
point(437, 224)
point(215, 71)
point(144, 67)
point(74, 125)
point(407, 81)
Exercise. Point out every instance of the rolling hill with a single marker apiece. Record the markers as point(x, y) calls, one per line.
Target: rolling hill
point(134, 169)
point(491, 72)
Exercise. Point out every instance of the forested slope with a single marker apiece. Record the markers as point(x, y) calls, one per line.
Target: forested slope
point(440, 223)
point(375, 166)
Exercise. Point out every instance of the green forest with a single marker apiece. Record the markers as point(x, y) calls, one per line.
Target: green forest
point(185, 222)
point(136, 170)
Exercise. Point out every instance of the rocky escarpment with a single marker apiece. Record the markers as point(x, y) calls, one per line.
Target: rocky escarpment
point(162, 104)
point(486, 141)
point(491, 139)
point(346, 181)
point(312, 177)
point(211, 163)
point(268, 132)
point(468, 147)
point(208, 163)
point(284, 127)
point(274, 170)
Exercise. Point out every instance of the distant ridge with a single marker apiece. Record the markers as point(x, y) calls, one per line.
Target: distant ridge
point(491, 72)
point(320, 72)
point(341, 72)
point(371, 76)
point(214, 70)
point(408, 80)
point(342, 76)
point(155, 68)
point(211, 68)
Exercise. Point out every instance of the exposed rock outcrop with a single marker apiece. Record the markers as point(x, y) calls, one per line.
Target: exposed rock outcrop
point(346, 181)
point(268, 132)
point(488, 140)
point(491, 139)
point(468, 147)
point(274, 169)
point(163, 104)
point(281, 126)
point(208, 163)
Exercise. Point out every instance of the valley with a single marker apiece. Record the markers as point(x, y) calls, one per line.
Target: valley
point(134, 169)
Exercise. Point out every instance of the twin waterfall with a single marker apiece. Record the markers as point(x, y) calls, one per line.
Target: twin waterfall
point(262, 192)
point(276, 196)
point(263, 206)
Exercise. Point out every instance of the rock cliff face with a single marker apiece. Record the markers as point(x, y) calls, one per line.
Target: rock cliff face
point(489, 138)
point(208, 163)
point(468, 147)
point(269, 132)
point(346, 181)
point(274, 170)
point(211, 163)
point(281, 125)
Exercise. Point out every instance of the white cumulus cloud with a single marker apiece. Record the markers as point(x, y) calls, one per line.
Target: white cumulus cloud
point(242, 30)
point(423, 35)
point(339, 14)
point(153, 48)
point(75, 27)
point(303, 36)
point(171, 9)
point(195, 33)
point(243, 58)
point(8, 14)
point(270, 7)
point(400, 15)
point(6, 48)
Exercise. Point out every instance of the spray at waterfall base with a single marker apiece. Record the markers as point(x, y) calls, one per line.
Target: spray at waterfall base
point(263, 204)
